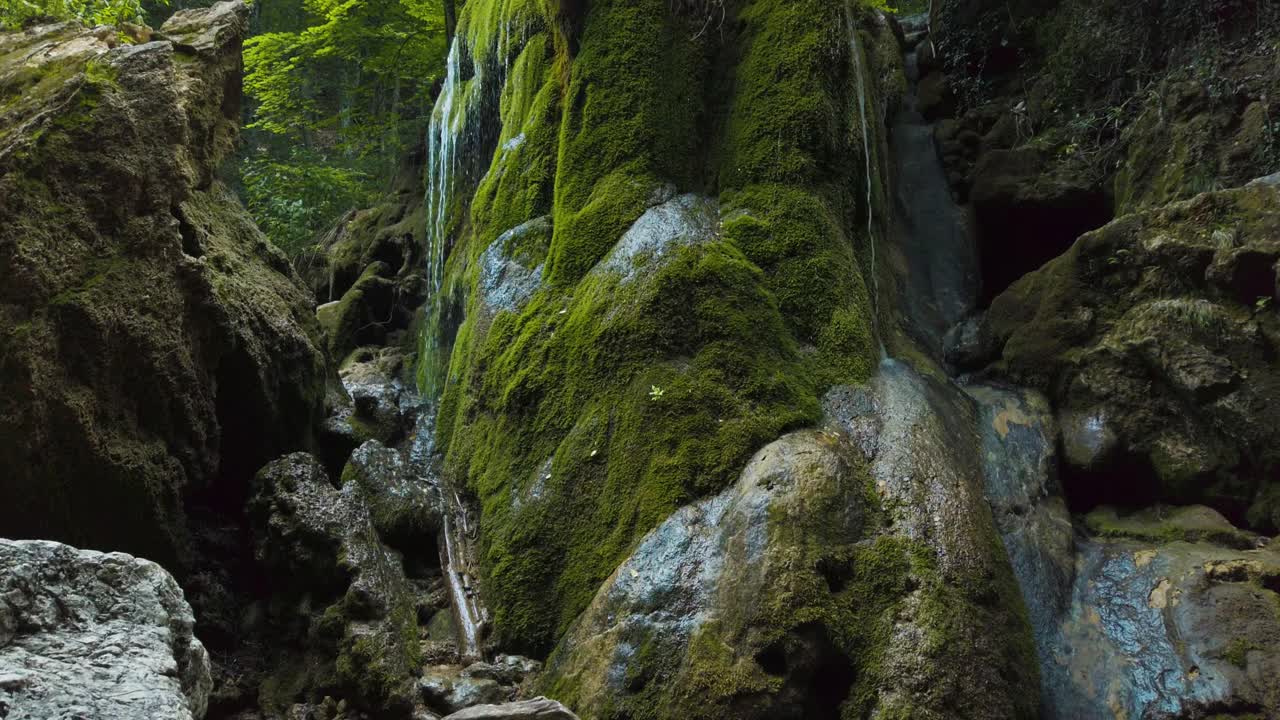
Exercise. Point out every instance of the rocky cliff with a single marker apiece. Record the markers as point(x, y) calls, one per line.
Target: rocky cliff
point(157, 350)
point(741, 359)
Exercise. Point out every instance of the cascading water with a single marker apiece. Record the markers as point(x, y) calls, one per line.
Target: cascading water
point(464, 125)
point(855, 50)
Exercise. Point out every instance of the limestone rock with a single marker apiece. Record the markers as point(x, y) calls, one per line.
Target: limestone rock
point(1168, 629)
point(404, 505)
point(90, 634)
point(1155, 338)
point(537, 709)
point(155, 345)
point(322, 544)
point(789, 596)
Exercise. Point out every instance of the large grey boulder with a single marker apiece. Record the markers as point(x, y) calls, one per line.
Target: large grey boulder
point(85, 634)
point(850, 571)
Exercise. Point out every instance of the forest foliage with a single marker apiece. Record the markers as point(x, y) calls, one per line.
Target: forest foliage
point(15, 14)
point(338, 90)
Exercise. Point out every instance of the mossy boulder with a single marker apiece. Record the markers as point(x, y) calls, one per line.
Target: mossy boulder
point(364, 313)
point(694, 269)
point(156, 349)
point(796, 594)
point(343, 615)
point(1155, 337)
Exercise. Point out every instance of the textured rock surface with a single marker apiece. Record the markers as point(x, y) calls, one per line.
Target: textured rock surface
point(794, 594)
point(405, 506)
point(342, 590)
point(1073, 111)
point(85, 634)
point(536, 709)
point(154, 344)
point(1155, 338)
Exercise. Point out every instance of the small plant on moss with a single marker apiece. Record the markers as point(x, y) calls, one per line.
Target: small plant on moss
point(656, 393)
point(1237, 652)
point(1262, 304)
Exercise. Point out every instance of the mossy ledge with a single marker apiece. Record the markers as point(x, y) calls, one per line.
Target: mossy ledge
point(584, 416)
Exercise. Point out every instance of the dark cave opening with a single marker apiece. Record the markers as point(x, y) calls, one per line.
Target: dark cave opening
point(818, 676)
point(1126, 481)
point(1019, 237)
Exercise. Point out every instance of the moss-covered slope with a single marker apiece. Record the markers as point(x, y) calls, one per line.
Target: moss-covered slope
point(703, 279)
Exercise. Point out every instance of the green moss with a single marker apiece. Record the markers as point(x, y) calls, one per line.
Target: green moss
point(630, 121)
point(1237, 652)
point(742, 332)
point(1187, 524)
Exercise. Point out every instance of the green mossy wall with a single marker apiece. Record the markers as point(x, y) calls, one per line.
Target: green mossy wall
point(742, 332)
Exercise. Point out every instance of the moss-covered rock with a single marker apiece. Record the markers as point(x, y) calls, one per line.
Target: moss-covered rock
point(1155, 336)
point(344, 619)
point(795, 594)
point(155, 347)
point(1087, 109)
point(688, 299)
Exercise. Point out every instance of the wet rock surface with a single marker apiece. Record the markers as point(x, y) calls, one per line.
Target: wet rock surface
point(1155, 338)
point(1168, 629)
point(100, 635)
point(703, 594)
point(157, 347)
point(537, 709)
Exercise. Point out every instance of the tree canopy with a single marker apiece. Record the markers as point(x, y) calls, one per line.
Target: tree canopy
point(338, 90)
point(17, 13)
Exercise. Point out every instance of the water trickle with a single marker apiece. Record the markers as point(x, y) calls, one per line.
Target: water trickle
point(469, 614)
point(855, 49)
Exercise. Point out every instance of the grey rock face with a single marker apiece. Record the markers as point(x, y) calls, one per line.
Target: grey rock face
point(505, 282)
point(683, 220)
point(404, 505)
point(95, 635)
point(1167, 629)
point(537, 709)
point(969, 344)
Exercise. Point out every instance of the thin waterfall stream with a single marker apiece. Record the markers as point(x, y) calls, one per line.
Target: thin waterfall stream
point(1014, 428)
point(855, 50)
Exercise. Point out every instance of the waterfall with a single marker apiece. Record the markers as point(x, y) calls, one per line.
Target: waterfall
point(855, 49)
point(442, 143)
point(465, 125)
